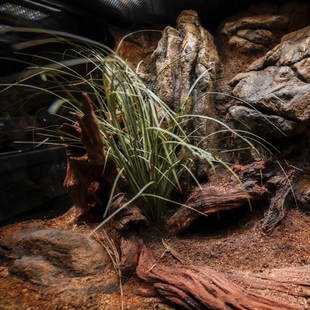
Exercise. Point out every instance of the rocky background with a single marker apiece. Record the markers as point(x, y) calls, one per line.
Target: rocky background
point(256, 75)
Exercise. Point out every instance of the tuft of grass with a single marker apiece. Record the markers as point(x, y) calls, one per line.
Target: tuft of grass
point(143, 136)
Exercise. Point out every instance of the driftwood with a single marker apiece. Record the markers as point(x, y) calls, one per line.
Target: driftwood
point(255, 187)
point(210, 200)
point(189, 287)
point(89, 176)
point(127, 218)
point(130, 247)
point(291, 281)
point(89, 181)
point(276, 212)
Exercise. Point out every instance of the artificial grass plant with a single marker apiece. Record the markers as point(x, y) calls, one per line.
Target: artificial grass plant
point(142, 135)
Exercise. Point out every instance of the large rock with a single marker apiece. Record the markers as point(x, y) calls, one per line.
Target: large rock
point(278, 83)
point(262, 25)
point(265, 126)
point(302, 192)
point(183, 55)
point(254, 32)
point(294, 47)
point(55, 259)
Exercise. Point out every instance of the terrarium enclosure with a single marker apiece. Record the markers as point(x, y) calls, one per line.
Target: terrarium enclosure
point(154, 155)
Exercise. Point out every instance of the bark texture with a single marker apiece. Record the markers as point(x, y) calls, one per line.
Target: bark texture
point(89, 176)
point(255, 185)
point(276, 211)
point(190, 287)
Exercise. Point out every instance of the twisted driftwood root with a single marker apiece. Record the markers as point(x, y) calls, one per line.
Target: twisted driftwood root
point(127, 218)
point(90, 176)
point(199, 288)
point(189, 287)
point(130, 246)
point(276, 212)
point(210, 199)
point(292, 281)
point(274, 185)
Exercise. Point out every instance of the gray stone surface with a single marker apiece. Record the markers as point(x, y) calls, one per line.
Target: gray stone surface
point(293, 48)
point(183, 55)
point(278, 82)
point(302, 192)
point(55, 259)
point(254, 33)
point(265, 126)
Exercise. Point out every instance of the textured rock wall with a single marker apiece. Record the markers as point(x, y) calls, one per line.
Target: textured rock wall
point(186, 57)
point(278, 84)
point(255, 71)
point(270, 80)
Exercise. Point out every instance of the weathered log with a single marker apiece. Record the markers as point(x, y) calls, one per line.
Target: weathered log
point(89, 177)
point(296, 275)
point(127, 218)
point(130, 246)
point(210, 200)
point(276, 212)
point(190, 287)
point(293, 281)
point(88, 188)
point(92, 139)
point(254, 187)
